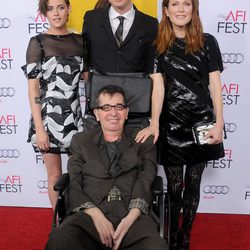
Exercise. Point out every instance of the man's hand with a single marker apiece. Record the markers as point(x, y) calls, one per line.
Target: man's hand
point(124, 226)
point(103, 226)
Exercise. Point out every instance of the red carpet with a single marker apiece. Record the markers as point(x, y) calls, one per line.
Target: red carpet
point(28, 228)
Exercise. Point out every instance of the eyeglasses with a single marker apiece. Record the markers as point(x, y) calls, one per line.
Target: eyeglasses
point(108, 107)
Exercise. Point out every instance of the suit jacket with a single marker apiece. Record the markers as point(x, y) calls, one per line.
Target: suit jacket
point(88, 167)
point(136, 53)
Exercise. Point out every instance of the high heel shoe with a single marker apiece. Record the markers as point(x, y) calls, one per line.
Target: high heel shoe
point(185, 241)
point(174, 243)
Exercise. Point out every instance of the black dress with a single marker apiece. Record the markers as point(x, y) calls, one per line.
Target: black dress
point(187, 102)
point(57, 61)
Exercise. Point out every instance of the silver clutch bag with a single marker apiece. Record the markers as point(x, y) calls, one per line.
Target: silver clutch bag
point(200, 130)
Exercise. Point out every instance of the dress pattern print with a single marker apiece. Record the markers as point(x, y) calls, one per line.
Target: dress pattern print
point(58, 66)
point(187, 102)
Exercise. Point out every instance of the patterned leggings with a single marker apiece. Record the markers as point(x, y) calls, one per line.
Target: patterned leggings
point(189, 201)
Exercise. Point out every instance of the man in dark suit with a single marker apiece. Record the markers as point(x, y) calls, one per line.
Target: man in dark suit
point(109, 192)
point(135, 51)
point(108, 48)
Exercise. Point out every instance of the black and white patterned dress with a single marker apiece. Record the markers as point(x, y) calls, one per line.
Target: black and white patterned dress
point(57, 61)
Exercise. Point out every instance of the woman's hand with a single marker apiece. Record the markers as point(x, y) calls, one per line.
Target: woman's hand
point(85, 76)
point(215, 86)
point(215, 135)
point(152, 129)
point(42, 141)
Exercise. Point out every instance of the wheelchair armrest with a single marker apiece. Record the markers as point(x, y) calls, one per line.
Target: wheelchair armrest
point(157, 186)
point(59, 211)
point(159, 201)
point(62, 183)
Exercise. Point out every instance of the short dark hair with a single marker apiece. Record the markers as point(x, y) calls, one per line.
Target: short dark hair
point(110, 90)
point(43, 6)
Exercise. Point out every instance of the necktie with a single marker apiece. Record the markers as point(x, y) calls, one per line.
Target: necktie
point(112, 148)
point(119, 31)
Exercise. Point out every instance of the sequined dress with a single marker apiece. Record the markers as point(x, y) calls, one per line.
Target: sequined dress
point(57, 61)
point(187, 102)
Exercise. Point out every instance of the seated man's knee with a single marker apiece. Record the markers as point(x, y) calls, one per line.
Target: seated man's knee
point(154, 243)
point(59, 240)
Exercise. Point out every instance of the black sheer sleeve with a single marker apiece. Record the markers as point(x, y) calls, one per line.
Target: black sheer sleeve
point(32, 69)
point(34, 52)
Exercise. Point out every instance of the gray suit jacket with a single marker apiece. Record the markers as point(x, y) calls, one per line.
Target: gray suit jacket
point(136, 53)
point(89, 165)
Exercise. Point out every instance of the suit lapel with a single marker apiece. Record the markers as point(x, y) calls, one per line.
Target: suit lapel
point(101, 149)
point(115, 168)
point(107, 26)
point(134, 28)
point(125, 143)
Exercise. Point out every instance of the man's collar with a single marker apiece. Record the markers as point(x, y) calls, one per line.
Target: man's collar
point(128, 15)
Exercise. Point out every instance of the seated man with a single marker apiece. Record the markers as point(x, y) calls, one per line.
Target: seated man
point(109, 193)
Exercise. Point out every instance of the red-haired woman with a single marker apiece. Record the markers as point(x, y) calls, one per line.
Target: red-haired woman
point(190, 62)
point(102, 3)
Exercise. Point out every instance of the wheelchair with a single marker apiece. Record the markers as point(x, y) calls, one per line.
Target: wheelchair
point(160, 205)
point(160, 202)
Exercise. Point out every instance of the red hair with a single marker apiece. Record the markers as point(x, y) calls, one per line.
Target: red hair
point(194, 32)
point(102, 3)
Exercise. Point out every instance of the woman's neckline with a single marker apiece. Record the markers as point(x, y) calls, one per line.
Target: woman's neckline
point(57, 35)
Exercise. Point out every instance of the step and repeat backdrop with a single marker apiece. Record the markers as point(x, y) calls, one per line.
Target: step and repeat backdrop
point(225, 185)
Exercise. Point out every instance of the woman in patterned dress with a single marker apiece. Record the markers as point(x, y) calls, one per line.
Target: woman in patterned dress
point(53, 68)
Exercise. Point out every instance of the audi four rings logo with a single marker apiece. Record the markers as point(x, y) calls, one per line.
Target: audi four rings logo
point(212, 189)
point(230, 127)
point(7, 92)
point(232, 58)
point(9, 153)
point(42, 184)
point(4, 23)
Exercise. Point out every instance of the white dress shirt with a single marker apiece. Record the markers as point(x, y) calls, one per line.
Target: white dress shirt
point(128, 21)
